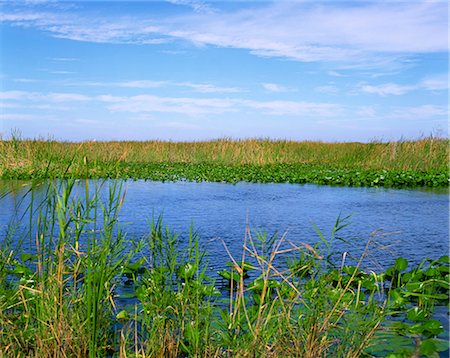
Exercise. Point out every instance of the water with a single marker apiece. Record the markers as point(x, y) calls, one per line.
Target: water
point(416, 221)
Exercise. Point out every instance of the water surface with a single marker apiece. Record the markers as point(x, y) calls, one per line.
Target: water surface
point(415, 222)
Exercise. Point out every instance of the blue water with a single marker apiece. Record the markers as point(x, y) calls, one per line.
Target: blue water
point(409, 223)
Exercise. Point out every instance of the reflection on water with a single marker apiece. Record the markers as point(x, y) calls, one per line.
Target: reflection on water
point(417, 219)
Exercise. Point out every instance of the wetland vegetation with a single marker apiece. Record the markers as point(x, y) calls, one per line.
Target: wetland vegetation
point(404, 163)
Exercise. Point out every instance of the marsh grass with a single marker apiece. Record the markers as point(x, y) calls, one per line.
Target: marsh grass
point(22, 159)
point(62, 280)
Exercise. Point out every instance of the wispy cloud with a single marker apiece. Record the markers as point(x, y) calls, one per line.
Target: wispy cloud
point(209, 88)
point(292, 108)
point(273, 87)
point(62, 72)
point(24, 80)
point(362, 34)
point(64, 59)
point(180, 105)
point(196, 5)
point(37, 96)
point(327, 89)
point(177, 125)
point(187, 106)
point(22, 117)
point(419, 112)
point(335, 74)
point(201, 106)
point(366, 112)
point(139, 84)
point(387, 89)
point(149, 84)
point(434, 83)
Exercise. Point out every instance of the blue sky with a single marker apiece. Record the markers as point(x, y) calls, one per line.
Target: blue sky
point(197, 70)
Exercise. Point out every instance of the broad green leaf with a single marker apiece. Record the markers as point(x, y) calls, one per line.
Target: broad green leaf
point(400, 264)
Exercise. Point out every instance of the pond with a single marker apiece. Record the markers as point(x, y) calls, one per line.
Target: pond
point(412, 223)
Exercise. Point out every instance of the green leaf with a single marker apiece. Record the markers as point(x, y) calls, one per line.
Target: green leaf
point(229, 275)
point(400, 264)
point(127, 295)
point(397, 298)
point(21, 270)
point(427, 347)
point(122, 315)
point(433, 326)
point(441, 344)
point(25, 257)
point(187, 271)
point(417, 314)
point(136, 265)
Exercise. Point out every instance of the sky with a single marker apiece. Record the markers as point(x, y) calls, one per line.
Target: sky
point(187, 70)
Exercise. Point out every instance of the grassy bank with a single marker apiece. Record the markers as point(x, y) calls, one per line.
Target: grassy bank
point(422, 162)
point(73, 284)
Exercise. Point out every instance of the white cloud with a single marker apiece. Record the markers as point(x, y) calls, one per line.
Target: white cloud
point(306, 109)
point(21, 117)
point(147, 104)
point(66, 97)
point(196, 5)
point(419, 112)
point(139, 84)
point(181, 105)
point(327, 89)
point(38, 2)
point(366, 112)
point(14, 95)
point(273, 87)
point(21, 18)
point(335, 74)
point(177, 125)
point(360, 34)
point(62, 72)
point(37, 96)
point(142, 106)
point(327, 32)
point(202, 106)
point(387, 89)
point(65, 59)
point(87, 121)
point(24, 80)
point(433, 83)
point(147, 84)
point(208, 88)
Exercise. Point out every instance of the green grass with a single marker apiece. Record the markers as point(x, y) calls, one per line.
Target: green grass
point(76, 285)
point(418, 163)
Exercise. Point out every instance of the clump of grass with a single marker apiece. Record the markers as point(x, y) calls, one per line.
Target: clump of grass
point(62, 290)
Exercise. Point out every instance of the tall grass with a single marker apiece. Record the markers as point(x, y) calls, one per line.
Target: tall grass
point(31, 157)
point(63, 282)
point(57, 296)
